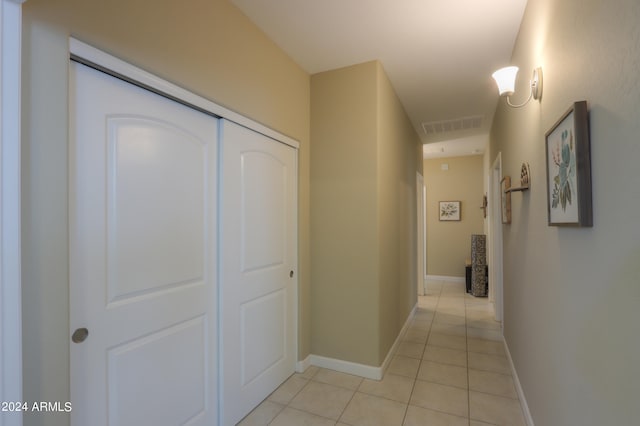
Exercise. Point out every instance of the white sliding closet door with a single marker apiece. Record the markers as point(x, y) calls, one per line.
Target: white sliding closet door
point(142, 256)
point(257, 267)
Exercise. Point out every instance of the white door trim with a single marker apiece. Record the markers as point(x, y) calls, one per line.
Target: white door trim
point(421, 240)
point(10, 248)
point(495, 237)
point(100, 60)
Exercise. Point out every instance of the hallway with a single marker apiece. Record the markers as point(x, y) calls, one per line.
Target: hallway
point(449, 369)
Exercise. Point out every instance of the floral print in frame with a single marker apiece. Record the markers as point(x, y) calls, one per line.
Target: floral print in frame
point(569, 169)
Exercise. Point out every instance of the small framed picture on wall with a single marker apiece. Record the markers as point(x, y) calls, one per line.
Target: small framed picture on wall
point(569, 169)
point(449, 210)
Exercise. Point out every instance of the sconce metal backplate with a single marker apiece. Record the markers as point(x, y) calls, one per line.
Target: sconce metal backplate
point(524, 175)
point(536, 83)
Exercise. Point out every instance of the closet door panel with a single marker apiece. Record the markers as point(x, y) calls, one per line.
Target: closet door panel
point(257, 267)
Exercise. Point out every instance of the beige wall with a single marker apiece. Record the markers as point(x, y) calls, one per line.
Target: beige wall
point(399, 159)
point(363, 173)
point(571, 295)
point(449, 242)
point(344, 215)
point(208, 47)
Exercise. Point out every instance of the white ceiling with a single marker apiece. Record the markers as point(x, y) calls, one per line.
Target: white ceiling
point(438, 54)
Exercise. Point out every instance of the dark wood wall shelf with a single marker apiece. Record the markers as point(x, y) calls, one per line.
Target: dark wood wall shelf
point(524, 180)
point(518, 188)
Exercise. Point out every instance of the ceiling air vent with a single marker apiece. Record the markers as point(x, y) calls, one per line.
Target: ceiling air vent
point(455, 125)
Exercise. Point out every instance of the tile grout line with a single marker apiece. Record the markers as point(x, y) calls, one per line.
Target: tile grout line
point(415, 379)
point(288, 405)
point(274, 417)
point(345, 407)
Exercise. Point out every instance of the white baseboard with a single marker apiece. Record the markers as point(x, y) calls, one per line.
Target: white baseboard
point(446, 278)
point(362, 370)
point(519, 390)
point(302, 365)
point(392, 350)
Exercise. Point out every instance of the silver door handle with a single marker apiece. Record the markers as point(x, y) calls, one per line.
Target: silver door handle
point(79, 335)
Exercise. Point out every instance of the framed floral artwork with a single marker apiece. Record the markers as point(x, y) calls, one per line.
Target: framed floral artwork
point(449, 210)
point(569, 169)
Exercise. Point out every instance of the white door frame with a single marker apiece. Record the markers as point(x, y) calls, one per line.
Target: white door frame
point(420, 238)
point(10, 242)
point(95, 58)
point(495, 237)
point(424, 236)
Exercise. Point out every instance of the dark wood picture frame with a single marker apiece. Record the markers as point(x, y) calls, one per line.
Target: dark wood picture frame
point(568, 158)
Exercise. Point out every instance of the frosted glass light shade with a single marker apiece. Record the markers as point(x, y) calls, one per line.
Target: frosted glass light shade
point(506, 80)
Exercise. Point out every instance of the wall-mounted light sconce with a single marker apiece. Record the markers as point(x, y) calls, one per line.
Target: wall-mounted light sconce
point(506, 80)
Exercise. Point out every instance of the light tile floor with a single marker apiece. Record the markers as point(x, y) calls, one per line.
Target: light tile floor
point(450, 368)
